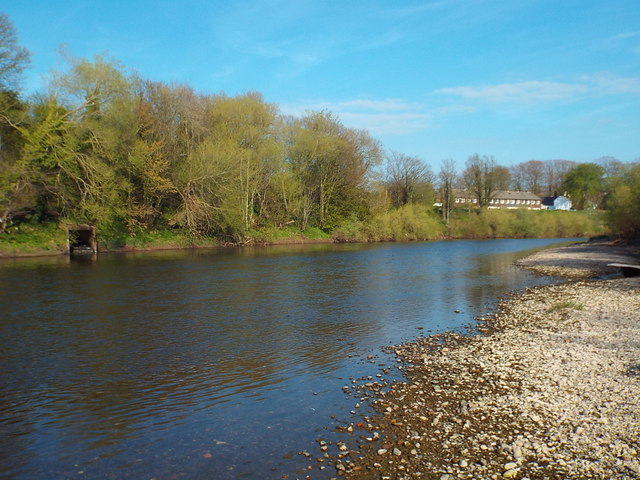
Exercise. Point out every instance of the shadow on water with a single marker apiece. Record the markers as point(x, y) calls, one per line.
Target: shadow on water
point(216, 363)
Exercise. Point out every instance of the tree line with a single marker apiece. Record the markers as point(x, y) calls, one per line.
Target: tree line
point(129, 155)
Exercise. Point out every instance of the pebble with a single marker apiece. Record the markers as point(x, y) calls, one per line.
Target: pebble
point(546, 390)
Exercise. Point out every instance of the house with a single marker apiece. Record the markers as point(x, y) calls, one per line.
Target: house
point(501, 199)
point(557, 202)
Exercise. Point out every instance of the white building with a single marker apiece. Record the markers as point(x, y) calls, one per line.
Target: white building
point(558, 202)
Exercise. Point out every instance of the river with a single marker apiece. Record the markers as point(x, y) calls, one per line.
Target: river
point(217, 364)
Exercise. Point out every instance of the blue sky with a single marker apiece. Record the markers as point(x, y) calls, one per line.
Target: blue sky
point(516, 79)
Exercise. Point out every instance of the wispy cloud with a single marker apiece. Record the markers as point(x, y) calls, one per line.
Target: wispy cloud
point(624, 36)
point(536, 92)
point(521, 92)
point(610, 84)
point(401, 123)
point(379, 117)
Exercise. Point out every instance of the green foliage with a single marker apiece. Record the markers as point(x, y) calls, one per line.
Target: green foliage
point(584, 185)
point(32, 237)
point(624, 204)
point(523, 223)
point(165, 238)
point(565, 305)
point(407, 223)
point(152, 164)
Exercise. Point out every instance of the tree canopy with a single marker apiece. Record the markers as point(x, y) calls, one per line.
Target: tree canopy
point(133, 155)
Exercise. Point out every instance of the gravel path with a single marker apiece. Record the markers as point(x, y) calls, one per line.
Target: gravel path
point(551, 390)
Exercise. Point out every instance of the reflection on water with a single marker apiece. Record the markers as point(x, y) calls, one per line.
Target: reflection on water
point(214, 363)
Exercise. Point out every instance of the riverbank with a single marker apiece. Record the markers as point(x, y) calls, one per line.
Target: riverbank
point(408, 223)
point(548, 391)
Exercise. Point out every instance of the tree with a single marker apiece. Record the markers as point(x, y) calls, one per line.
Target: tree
point(13, 57)
point(584, 185)
point(77, 146)
point(14, 185)
point(528, 176)
point(409, 179)
point(333, 164)
point(479, 177)
point(554, 173)
point(624, 202)
point(246, 125)
point(501, 177)
point(447, 179)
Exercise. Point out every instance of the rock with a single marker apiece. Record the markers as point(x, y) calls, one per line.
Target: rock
point(396, 451)
point(382, 451)
point(517, 453)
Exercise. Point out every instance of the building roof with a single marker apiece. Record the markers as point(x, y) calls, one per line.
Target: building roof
point(515, 195)
point(500, 195)
point(550, 200)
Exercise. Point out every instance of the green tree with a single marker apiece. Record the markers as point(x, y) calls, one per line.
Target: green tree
point(333, 165)
point(15, 191)
point(623, 204)
point(584, 185)
point(77, 147)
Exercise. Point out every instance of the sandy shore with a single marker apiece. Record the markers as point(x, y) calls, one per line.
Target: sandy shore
point(551, 390)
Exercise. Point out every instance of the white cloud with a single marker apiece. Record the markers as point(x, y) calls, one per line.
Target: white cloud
point(624, 36)
point(609, 84)
point(403, 123)
point(379, 105)
point(379, 117)
point(533, 92)
point(521, 92)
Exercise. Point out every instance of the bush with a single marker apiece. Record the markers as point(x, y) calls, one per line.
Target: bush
point(523, 223)
point(624, 204)
point(409, 222)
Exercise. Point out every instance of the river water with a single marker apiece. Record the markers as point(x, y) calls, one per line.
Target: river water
point(217, 364)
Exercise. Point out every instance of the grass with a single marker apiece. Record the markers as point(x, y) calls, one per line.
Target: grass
point(30, 238)
point(288, 234)
point(565, 305)
point(166, 239)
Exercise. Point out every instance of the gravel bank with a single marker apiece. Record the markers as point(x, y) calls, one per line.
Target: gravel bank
point(551, 390)
point(580, 260)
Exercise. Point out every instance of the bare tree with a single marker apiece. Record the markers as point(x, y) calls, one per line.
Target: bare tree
point(407, 178)
point(13, 57)
point(501, 177)
point(554, 173)
point(447, 179)
point(528, 176)
point(479, 176)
